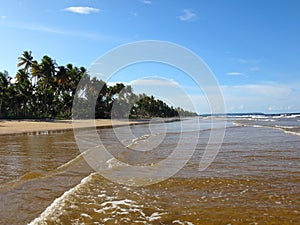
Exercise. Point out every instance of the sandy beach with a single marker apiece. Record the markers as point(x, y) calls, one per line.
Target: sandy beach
point(8, 127)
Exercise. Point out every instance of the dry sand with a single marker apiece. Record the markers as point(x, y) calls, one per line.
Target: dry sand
point(34, 126)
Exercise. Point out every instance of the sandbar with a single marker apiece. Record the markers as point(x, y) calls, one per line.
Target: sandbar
point(9, 127)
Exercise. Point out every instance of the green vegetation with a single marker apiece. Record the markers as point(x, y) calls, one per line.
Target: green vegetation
point(47, 90)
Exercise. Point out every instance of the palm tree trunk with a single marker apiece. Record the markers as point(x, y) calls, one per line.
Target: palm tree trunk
point(1, 100)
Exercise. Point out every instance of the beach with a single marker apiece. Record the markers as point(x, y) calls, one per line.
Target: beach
point(8, 127)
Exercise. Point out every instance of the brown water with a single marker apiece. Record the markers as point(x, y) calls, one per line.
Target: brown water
point(255, 179)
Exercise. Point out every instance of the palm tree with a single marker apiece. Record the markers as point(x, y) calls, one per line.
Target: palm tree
point(4, 84)
point(24, 89)
point(45, 73)
point(71, 82)
point(26, 60)
point(21, 75)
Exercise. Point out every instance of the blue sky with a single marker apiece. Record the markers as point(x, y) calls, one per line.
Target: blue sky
point(252, 46)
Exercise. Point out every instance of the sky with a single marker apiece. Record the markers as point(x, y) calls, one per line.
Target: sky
point(252, 46)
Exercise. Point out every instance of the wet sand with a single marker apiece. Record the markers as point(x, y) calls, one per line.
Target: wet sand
point(8, 127)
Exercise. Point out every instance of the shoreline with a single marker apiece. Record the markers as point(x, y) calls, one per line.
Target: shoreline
point(36, 127)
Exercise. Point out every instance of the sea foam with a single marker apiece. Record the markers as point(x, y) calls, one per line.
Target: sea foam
point(55, 209)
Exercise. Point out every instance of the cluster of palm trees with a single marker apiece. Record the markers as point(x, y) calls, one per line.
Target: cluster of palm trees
point(40, 89)
point(47, 90)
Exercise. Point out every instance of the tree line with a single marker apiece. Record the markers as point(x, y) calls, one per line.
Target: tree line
point(47, 90)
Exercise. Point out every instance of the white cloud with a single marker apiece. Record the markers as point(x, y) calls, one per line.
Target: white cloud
point(154, 82)
point(147, 2)
point(234, 74)
point(188, 15)
point(82, 10)
point(3, 17)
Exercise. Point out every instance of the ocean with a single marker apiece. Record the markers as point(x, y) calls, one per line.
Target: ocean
point(254, 178)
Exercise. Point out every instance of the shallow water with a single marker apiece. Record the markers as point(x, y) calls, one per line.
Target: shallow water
point(255, 179)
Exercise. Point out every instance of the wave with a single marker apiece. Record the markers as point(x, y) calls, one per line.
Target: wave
point(262, 119)
point(53, 210)
point(78, 163)
point(135, 141)
point(291, 132)
point(100, 204)
point(22, 179)
point(266, 117)
point(74, 165)
point(285, 129)
point(248, 125)
point(97, 201)
point(292, 116)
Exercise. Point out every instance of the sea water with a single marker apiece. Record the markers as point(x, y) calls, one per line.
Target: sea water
point(255, 178)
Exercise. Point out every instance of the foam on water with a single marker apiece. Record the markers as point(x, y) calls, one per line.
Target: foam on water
point(55, 209)
point(105, 207)
point(287, 128)
point(291, 132)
